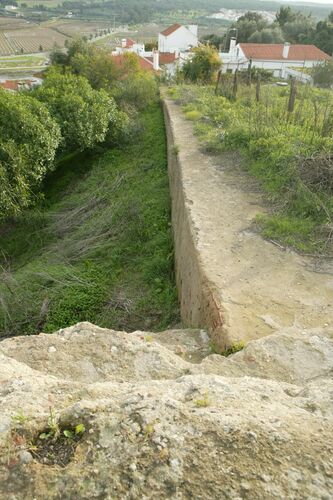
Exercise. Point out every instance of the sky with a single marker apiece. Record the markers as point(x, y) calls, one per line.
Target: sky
point(322, 2)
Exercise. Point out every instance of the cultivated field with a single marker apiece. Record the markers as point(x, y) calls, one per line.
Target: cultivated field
point(18, 36)
point(81, 28)
point(36, 39)
point(12, 23)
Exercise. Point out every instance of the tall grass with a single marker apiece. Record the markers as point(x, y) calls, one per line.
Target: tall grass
point(99, 248)
point(291, 154)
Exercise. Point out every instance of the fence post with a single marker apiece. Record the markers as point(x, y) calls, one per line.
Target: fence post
point(258, 88)
point(292, 96)
point(235, 84)
point(249, 72)
point(219, 75)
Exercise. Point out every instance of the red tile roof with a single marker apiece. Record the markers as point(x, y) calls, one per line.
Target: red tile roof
point(9, 85)
point(273, 51)
point(129, 43)
point(171, 29)
point(165, 58)
point(15, 85)
point(146, 65)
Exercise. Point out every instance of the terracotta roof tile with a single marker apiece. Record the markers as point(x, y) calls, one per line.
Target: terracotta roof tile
point(165, 58)
point(171, 29)
point(120, 60)
point(273, 51)
point(9, 85)
point(129, 43)
point(15, 84)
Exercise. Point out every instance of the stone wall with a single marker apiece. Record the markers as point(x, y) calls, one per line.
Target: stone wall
point(200, 301)
point(231, 281)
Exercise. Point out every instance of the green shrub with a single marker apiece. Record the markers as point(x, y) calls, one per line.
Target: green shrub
point(193, 116)
point(28, 145)
point(83, 114)
point(138, 90)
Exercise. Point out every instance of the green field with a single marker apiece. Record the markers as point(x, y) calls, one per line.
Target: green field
point(18, 62)
point(99, 247)
point(47, 3)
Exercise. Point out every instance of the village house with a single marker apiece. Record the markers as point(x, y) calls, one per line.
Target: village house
point(281, 59)
point(174, 45)
point(178, 38)
point(18, 85)
point(129, 45)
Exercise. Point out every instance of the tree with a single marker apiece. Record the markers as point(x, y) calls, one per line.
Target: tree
point(214, 40)
point(29, 140)
point(267, 35)
point(97, 66)
point(323, 74)
point(15, 190)
point(58, 57)
point(248, 24)
point(285, 15)
point(138, 90)
point(323, 37)
point(203, 65)
point(151, 45)
point(83, 114)
point(301, 30)
point(78, 46)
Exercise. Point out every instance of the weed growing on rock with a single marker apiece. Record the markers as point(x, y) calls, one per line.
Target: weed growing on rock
point(236, 347)
point(56, 445)
point(175, 150)
point(203, 402)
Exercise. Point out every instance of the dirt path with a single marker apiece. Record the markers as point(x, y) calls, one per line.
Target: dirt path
point(260, 287)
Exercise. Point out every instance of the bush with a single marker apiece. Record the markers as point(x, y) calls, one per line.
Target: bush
point(29, 140)
point(137, 90)
point(323, 75)
point(193, 115)
point(82, 113)
point(204, 64)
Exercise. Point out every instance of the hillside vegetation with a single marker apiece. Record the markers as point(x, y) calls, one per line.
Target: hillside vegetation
point(84, 202)
point(290, 153)
point(99, 248)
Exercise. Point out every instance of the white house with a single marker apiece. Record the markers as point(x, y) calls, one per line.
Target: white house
point(129, 45)
point(178, 38)
point(276, 57)
point(174, 45)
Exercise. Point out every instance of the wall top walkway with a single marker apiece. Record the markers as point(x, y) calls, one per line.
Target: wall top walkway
point(230, 279)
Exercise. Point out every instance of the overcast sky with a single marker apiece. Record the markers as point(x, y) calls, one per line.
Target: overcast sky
point(326, 2)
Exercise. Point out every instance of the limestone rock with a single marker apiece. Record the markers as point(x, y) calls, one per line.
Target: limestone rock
point(158, 425)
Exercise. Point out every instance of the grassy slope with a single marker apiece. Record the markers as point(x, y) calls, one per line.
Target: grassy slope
point(99, 249)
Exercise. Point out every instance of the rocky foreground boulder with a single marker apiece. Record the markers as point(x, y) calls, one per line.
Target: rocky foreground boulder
point(93, 413)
